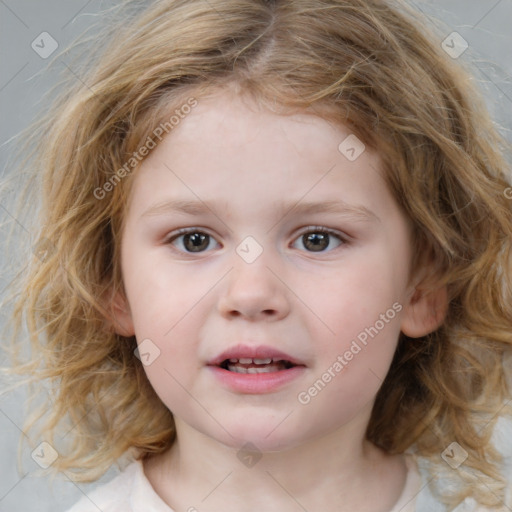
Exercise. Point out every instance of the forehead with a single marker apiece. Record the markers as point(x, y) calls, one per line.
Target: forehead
point(233, 121)
point(229, 149)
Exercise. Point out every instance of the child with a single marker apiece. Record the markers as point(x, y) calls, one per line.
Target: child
point(274, 267)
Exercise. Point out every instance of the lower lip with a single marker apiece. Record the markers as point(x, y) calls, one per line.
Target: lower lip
point(256, 382)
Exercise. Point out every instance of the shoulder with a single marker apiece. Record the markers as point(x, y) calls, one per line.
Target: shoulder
point(130, 491)
point(114, 496)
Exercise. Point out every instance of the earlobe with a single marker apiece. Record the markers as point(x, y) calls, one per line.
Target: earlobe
point(119, 316)
point(425, 311)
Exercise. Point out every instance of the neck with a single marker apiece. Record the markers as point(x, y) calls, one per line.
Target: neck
point(334, 472)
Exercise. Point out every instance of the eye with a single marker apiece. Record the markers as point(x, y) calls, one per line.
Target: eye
point(192, 240)
point(317, 239)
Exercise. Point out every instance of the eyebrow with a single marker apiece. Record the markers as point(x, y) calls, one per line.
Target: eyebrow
point(357, 212)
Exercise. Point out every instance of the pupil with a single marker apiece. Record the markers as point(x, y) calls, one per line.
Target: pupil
point(197, 240)
point(323, 238)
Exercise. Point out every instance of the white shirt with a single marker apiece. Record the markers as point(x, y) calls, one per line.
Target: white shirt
point(131, 491)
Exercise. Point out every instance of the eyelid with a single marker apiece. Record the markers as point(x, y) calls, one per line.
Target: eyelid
point(312, 228)
point(185, 231)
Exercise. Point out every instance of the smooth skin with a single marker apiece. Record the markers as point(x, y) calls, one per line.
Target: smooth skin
point(308, 299)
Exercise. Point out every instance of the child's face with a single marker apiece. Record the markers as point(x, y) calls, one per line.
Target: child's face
point(311, 299)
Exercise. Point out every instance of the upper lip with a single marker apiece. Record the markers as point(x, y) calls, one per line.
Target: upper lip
point(254, 352)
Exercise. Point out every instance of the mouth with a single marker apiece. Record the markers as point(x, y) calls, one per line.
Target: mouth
point(250, 365)
point(244, 358)
point(253, 370)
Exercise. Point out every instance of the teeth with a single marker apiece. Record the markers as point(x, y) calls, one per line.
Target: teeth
point(250, 365)
point(237, 369)
point(247, 360)
point(263, 361)
point(268, 368)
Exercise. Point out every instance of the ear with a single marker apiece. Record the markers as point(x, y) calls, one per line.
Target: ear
point(425, 309)
point(118, 313)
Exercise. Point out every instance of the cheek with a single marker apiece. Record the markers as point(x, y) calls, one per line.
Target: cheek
point(358, 295)
point(167, 314)
point(353, 364)
point(362, 311)
point(160, 298)
point(165, 381)
point(173, 371)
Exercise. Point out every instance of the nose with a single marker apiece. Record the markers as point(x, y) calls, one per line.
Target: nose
point(255, 292)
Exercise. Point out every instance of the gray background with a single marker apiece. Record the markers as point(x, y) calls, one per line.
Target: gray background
point(485, 24)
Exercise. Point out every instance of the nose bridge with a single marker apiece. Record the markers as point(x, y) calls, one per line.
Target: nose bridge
point(253, 289)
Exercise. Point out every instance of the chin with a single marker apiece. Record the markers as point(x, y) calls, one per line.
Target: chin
point(258, 432)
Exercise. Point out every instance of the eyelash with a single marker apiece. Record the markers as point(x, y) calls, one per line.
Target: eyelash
point(311, 229)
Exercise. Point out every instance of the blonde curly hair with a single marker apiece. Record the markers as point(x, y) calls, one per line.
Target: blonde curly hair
point(368, 64)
